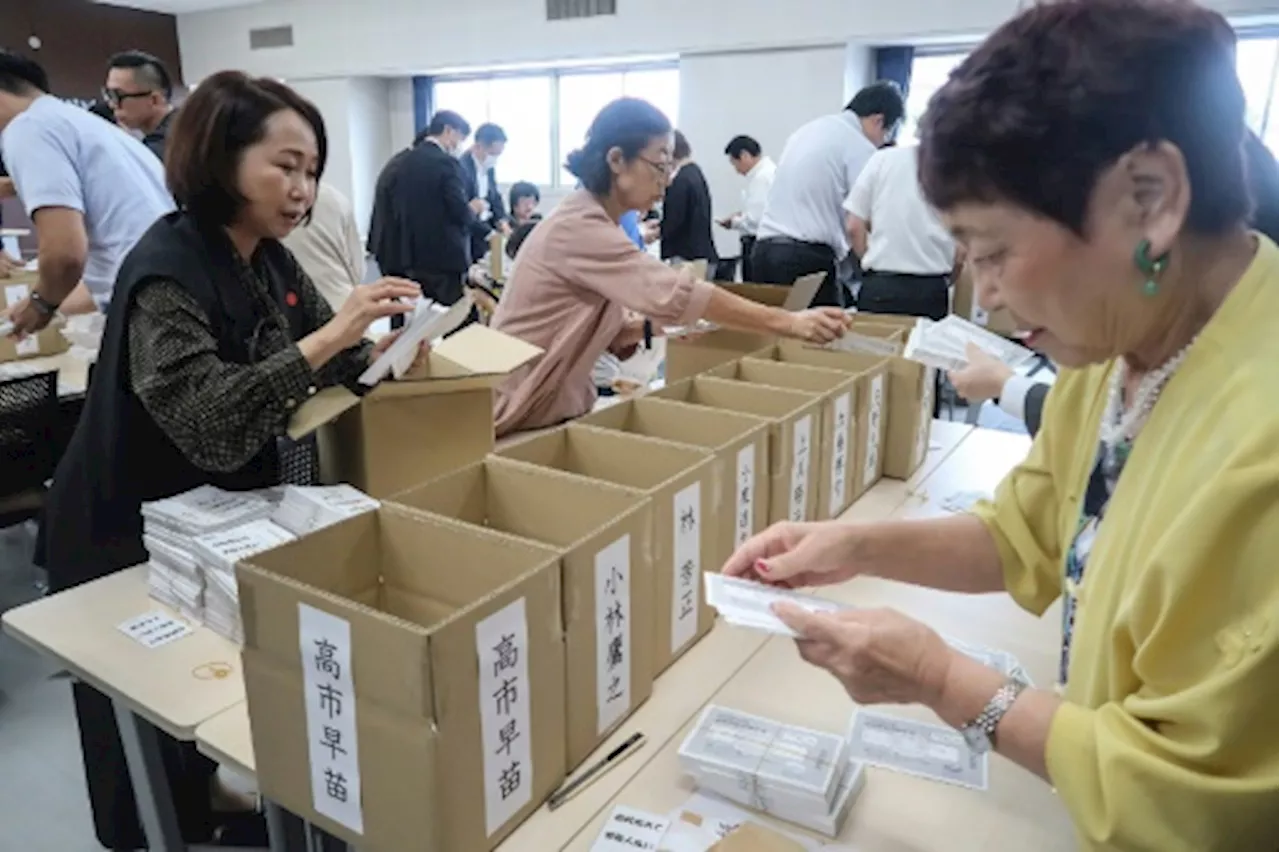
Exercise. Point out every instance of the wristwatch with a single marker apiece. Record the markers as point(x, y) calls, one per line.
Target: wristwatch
point(43, 305)
point(980, 734)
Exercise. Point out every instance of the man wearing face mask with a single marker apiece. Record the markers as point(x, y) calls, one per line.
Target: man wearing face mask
point(481, 184)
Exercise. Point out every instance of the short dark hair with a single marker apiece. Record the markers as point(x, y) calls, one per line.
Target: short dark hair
point(628, 124)
point(1059, 93)
point(149, 70)
point(490, 134)
point(523, 189)
point(883, 97)
point(681, 149)
point(20, 75)
point(445, 119)
point(740, 145)
point(226, 114)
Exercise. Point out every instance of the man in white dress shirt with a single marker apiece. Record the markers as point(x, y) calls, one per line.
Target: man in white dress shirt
point(803, 228)
point(748, 160)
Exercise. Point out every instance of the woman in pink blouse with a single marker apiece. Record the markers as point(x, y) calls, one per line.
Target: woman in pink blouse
point(578, 274)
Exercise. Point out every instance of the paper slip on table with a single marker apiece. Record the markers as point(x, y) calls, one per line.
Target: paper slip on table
point(897, 812)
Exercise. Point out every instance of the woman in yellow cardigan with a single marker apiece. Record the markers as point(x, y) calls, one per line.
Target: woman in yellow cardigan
point(1088, 156)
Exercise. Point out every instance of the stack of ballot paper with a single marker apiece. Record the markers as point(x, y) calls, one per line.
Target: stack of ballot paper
point(217, 554)
point(169, 527)
point(792, 773)
point(943, 345)
point(743, 603)
point(305, 509)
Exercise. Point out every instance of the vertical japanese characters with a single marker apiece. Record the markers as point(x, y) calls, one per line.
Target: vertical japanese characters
point(324, 641)
point(745, 495)
point(875, 410)
point(801, 441)
point(613, 633)
point(926, 416)
point(841, 415)
point(686, 565)
point(502, 650)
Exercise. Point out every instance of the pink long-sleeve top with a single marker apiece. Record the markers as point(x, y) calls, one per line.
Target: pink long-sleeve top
point(577, 275)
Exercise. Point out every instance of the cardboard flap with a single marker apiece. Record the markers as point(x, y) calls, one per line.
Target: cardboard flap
point(319, 410)
point(477, 350)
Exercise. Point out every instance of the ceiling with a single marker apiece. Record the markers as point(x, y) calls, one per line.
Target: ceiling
point(177, 7)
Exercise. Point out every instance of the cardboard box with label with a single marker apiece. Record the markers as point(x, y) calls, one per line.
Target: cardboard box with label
point(912, 389)
point(405, 679)
point(794, 432)
point(689, 355)
point(681, 481)
point(872, 376)
point(739, 441)
point(839, 425)
point(603, 533)
point(432, 421)
point(48, 341)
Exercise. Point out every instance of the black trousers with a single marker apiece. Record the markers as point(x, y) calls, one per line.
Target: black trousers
point(910, 295)
point(748, 266)
point(778, 260)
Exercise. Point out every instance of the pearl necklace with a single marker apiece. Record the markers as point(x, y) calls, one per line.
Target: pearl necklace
point(1120, 425)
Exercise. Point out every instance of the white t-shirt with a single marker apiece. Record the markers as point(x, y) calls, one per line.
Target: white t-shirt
point(755, 196)
point(62, 155)
point(906, 234)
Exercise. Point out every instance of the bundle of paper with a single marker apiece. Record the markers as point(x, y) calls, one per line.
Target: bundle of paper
point(743, 603)
point(944, 344)
point(792, 773)
point(916, 748)
point(173, 576)
point(305, 509)
point(428, 322)
point(1002, 661)
point(218, 554)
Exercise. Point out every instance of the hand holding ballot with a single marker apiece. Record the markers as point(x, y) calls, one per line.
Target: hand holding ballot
point(982, 378)
point(795, 555)
point(371, 302)
point(818, 325)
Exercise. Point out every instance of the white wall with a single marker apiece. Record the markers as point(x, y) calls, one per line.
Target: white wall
point(764, 94)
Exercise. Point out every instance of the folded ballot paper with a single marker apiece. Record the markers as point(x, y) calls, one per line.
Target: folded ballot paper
point(743, 603)
point(305, 509)
point(943, 345)
point(789, 772)
point(429, 322)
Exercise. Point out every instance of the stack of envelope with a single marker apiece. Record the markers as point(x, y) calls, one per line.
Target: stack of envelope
point(169, 527)
point(789, 772)
point(943, 344)
point(305, 509)
point(217, 554)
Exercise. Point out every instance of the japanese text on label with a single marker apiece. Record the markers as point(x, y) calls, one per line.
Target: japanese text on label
point(613, 633)
point(745, 495)
point(801, 440)
point(686, 565)
point(842, 416)
point(324, 641)
point(875, 411)
point(502, 648)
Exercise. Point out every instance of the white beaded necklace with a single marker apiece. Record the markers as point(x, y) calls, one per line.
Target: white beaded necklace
point(1120, 425)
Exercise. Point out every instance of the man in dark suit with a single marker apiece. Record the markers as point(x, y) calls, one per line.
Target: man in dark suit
point(422, 222)
point(481, 184)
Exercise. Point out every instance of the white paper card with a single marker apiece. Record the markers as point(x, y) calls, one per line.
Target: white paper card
point(745, 494)
point(29, 345)
point(875, 411)
point(747, 604)
point(842, 416)
point(854, 342)
point(14, 293)
point(916, 748)
point(502, 646)
point(427, 323)
point(153, 629)
point(9, 242)
point(613, 633)
point(801, 438)
point(926, 415)
point(686, 565)
point(324, 641)
point(228, 547)
point(628, 830)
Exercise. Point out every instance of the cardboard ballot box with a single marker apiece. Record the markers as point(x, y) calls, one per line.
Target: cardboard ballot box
point(794, 432)
point(430, 422)
point(602, 532)
point(48, 341)
point(739, 441)
point(872, 374)
point(912, 388)
point(682, 484)
point(694, 353)
point(405, 679)
point(838, 433)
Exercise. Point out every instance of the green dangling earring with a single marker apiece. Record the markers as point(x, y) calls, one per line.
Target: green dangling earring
point(1151, 267)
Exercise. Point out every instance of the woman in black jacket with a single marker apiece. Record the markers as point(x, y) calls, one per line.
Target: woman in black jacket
point(214, 337)
point(686, 210)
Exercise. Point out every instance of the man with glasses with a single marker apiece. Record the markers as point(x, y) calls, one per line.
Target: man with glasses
point(138, 90)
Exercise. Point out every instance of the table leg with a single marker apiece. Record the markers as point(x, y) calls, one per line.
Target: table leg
point(277, 833)
point(151, 789)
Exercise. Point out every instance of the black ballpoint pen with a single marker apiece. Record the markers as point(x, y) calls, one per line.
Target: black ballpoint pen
point(627, 746)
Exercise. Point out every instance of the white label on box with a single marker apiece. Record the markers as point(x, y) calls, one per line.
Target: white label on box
point(502, 646)
point(29, 345)
point(613, 633)
point(686, 565)
point(926, 415)
point(801, 438)
point(628, 829)
point(745, 494)
point(841, 417)
point(875, 411)
point(153, 629)
point(324, 641)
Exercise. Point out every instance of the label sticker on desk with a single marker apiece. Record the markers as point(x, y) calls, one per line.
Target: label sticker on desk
point(613, 633)
point(801, 440)
point(502, 647)
point(330, 699)
point(841, 416)
point(875, 411)
point(628, 829)
point(155, 628)
point(745, 495)
point(686, 565)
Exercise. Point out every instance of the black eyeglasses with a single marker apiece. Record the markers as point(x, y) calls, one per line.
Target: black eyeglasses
point(663, 167)
point(115, 97)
